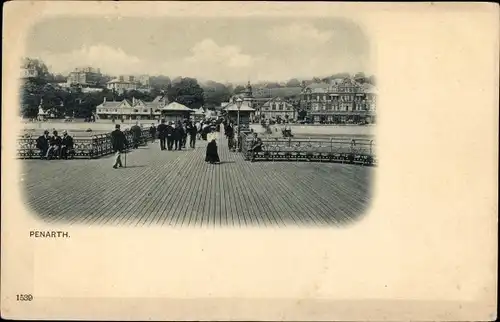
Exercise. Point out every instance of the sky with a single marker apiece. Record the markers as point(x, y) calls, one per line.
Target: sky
point(219, 49)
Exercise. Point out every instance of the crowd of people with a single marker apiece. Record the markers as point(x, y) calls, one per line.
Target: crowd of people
point(172, 137)
point(54, 146)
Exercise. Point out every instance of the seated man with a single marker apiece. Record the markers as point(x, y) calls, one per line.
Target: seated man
point(256, 145)
point(66, 145)
point(54, 146)
point(42, 143)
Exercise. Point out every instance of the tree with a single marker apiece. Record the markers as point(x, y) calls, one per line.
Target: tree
point(340, 75)
point(239, 89)
point(372, 80)
point(33, 88)
point(273, 85)
point(294, 82)
point(160, 83)
point(39, 66)
point(301, 114)
point(359, 75)
point(215, 93)
point(188, 92)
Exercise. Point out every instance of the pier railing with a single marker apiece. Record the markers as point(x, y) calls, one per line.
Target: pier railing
point(86, 146)
point(334, 149)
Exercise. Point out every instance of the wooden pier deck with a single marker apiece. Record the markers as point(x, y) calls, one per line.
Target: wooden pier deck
point(177, 188)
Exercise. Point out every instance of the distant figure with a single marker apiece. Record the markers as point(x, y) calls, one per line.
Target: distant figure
point(198, 129)
point(119, 142)
point(205, 129)
point(162, 134)
point(136, 134)
point(191, 129)
point(152, 132)
point(55, 144)
point(170, 135)
point(43, 143)
point(230, 136)
point(212, 155)
point(178, 135)
point(184, 135)
point(67, 144)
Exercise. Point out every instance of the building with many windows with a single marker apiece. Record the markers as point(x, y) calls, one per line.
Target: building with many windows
point(127, 110)
point(122, 84)
point(277, 108)
point(140, 110)
point(125, 83)
point(342, 101)
point(144, 80)
point(87, 76)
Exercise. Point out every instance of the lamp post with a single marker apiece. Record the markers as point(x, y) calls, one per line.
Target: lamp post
point(239, 101)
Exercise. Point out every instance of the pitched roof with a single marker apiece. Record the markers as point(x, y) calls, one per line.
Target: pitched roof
point(233, 107)
point(277, 100)
point(318, 85)
point(174, 106)
point(119, 81)
point(160, 99)
point(275, 92)
point(199, 111)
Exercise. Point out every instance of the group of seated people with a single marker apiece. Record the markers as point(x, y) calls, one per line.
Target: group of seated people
point(55, 147)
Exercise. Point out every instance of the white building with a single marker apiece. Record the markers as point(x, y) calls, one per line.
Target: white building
point(121, 85)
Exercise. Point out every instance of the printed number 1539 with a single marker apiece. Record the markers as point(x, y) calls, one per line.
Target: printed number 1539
point(24, 297)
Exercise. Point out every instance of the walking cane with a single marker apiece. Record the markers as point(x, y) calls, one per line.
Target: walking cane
point(126, 147)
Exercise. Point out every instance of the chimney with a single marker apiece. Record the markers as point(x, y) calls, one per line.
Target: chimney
point(104, 102)
point(133, 101)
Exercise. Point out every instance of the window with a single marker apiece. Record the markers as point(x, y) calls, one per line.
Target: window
point(135, 110)
point(145, 110)
point(281, 107)
point(116, 110)
point(274, 107)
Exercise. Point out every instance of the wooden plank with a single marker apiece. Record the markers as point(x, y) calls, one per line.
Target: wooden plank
point(180, 189)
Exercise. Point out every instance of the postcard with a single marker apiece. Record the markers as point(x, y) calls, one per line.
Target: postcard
point(249, 161)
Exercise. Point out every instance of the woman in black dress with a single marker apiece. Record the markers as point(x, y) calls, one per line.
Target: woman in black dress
point(212, 155)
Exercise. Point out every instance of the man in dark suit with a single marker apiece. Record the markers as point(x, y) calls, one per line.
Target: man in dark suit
point(230, 136)
point(54, 145)
point(119, 142)
point(170, 136)
point(178, 134)
point(136, 134)
point(67, 144)
point(42, 143)
point(162, 134)
point(152, 132)
point(191, 129)
point(184, 134)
